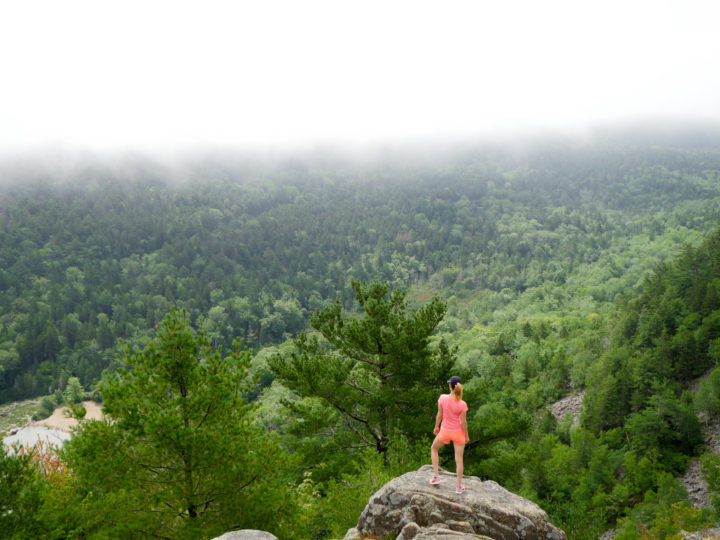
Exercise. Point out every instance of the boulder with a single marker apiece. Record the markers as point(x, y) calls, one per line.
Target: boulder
point(247, 534)
point(412, 508)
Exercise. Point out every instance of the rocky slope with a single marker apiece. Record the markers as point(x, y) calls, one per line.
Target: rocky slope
point(693, 479)
point(571, 405)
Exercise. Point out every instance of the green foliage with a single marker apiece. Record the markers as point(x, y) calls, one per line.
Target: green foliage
point(330, 508)
point(179, 455)
point(711, 471)
point(377, 371)
point(74, 391)
point(707, 400)
point(664, 513)
point(671, 342)
point(21, 492)
point(634, 402)
point(76, 411)
point(47, 407)
point(495, 429)
point(667, 428)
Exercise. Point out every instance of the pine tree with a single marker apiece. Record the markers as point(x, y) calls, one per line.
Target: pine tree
point(378, 371)
point(178, 454)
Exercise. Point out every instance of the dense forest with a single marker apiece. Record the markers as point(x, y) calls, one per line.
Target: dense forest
point(535, 272)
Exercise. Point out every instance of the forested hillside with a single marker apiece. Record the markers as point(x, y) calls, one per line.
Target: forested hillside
point(534, 273)
point(104, 253)
point(635, 360)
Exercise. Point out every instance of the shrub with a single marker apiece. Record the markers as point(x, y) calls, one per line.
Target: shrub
point(47, 407)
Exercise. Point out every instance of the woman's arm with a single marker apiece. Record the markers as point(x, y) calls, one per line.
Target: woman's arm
point(463, 419)
point(438, 418)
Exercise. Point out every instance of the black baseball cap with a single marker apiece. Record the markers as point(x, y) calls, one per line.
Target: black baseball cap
point(454, 380)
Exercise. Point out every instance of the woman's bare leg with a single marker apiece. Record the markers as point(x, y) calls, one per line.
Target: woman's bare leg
point(434, 456)
point(459, 450)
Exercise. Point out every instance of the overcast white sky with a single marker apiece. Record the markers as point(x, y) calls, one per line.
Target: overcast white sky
point(157, 75)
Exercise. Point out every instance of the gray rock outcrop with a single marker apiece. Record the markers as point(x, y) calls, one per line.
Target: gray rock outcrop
point(412, 508)
point(247, 534)
point(695, 484)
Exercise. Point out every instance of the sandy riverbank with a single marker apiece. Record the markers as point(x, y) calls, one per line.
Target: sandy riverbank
point(58, 420)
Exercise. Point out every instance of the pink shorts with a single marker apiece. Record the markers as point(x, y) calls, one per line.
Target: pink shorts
point(457, 437)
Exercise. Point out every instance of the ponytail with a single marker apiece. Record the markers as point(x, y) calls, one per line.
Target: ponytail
point(457, 392)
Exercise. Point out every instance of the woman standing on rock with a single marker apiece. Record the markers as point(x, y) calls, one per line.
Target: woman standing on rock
point(452, 412)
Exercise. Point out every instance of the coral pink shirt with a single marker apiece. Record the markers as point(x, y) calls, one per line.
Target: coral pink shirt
point(452, 410)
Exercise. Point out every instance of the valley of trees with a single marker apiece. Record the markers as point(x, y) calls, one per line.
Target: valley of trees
point(356, 290)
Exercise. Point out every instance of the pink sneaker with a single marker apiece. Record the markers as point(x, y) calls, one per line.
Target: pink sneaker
point(435, 480)
point(460, 490)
